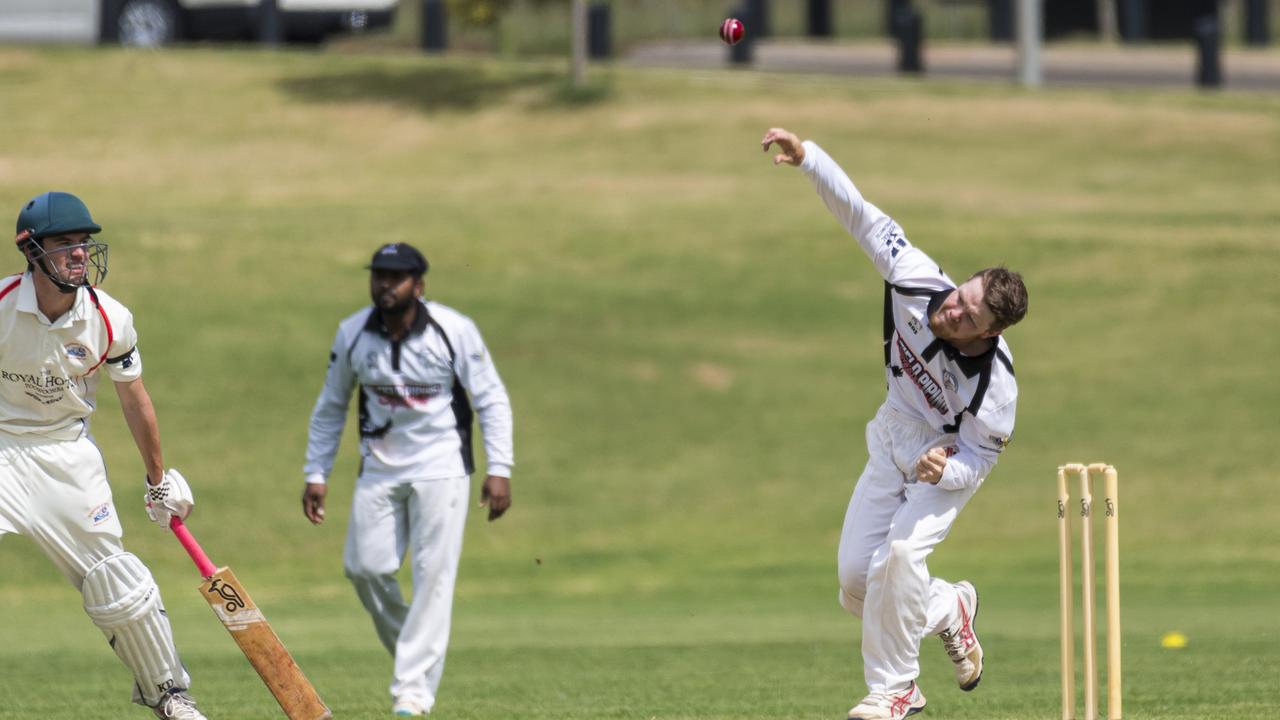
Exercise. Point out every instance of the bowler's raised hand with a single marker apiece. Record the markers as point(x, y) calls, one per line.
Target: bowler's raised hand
point(792, 150)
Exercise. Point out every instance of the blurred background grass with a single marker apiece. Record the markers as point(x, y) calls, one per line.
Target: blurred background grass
point(692, 348)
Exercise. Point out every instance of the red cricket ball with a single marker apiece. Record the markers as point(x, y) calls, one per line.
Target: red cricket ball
point(732, 30)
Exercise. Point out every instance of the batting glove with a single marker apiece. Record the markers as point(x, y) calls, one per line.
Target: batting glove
point(170, 497)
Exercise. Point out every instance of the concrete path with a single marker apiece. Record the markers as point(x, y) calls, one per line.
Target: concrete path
point(1071, 65)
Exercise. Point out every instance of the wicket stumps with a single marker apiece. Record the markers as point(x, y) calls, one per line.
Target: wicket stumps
point(1089, 599)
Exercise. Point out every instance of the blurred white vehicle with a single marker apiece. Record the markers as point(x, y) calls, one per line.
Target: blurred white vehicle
point(151, 23)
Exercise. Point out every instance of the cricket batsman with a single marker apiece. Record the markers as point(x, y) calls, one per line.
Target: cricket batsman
point(59, 335)
point(948, 416)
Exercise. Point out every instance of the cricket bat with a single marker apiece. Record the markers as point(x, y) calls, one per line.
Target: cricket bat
point(259, 643)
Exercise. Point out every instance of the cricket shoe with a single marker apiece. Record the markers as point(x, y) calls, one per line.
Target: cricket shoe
point(961, 641)
point(409, 707)
point(177, 705)
point(889, 706)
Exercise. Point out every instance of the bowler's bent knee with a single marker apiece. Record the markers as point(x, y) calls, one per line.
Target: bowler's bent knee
point(853, 585)
point(851, 602)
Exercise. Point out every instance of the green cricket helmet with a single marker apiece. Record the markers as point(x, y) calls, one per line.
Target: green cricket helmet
point(59, 213)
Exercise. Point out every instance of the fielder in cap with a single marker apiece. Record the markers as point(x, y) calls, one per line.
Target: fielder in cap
point(59, 335)
point(412, 364)
point(948, 416)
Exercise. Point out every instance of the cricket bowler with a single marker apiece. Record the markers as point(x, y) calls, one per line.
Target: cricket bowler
point(948, 416)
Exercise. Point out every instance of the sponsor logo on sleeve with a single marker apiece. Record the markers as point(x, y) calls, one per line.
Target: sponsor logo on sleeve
point(893, 239)
point(998, 443)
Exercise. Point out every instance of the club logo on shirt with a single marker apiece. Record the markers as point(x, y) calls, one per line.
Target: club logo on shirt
point(1000, 441)
point(914, 325)
point(76, 350)
point(949, 380)
point(919, 374)
point(99, 515)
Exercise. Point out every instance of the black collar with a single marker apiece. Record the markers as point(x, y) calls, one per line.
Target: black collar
point(970, 365)
point(376, 324)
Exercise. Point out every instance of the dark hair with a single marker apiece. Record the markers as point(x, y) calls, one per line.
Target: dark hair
point(1005, 295)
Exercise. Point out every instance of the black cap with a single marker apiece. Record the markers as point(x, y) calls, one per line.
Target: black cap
point(399, 256)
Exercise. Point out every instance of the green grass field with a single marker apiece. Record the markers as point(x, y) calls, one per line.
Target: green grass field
point(692, 348)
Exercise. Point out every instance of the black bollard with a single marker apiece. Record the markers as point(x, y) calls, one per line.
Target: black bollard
point(891, 10)
point(1133, 20)
point(758, 10)
point(434, 26)
point(108, 30)
point(270, 23)
point(1257, 26)
point(1208, 47)
point(1000, 20)
point(908, 28)
point(599, 32)
point(819, 18)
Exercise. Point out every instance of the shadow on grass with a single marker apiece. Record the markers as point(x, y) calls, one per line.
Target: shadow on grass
point(438, 89)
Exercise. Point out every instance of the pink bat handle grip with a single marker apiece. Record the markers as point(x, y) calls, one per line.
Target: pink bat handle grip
point(203, 564)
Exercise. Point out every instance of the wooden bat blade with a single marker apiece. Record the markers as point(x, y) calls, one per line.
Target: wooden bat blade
point(259, 643)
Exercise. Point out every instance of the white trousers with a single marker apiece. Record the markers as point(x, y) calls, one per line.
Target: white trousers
point(389, 517)
point(56, 493)
point(892, 525)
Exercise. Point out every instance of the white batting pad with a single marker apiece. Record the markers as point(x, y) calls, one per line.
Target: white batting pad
point(123, 600)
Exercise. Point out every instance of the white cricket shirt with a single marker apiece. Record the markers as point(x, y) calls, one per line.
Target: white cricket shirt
point(49, 371)
point(973, 398)
point(415, 416)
